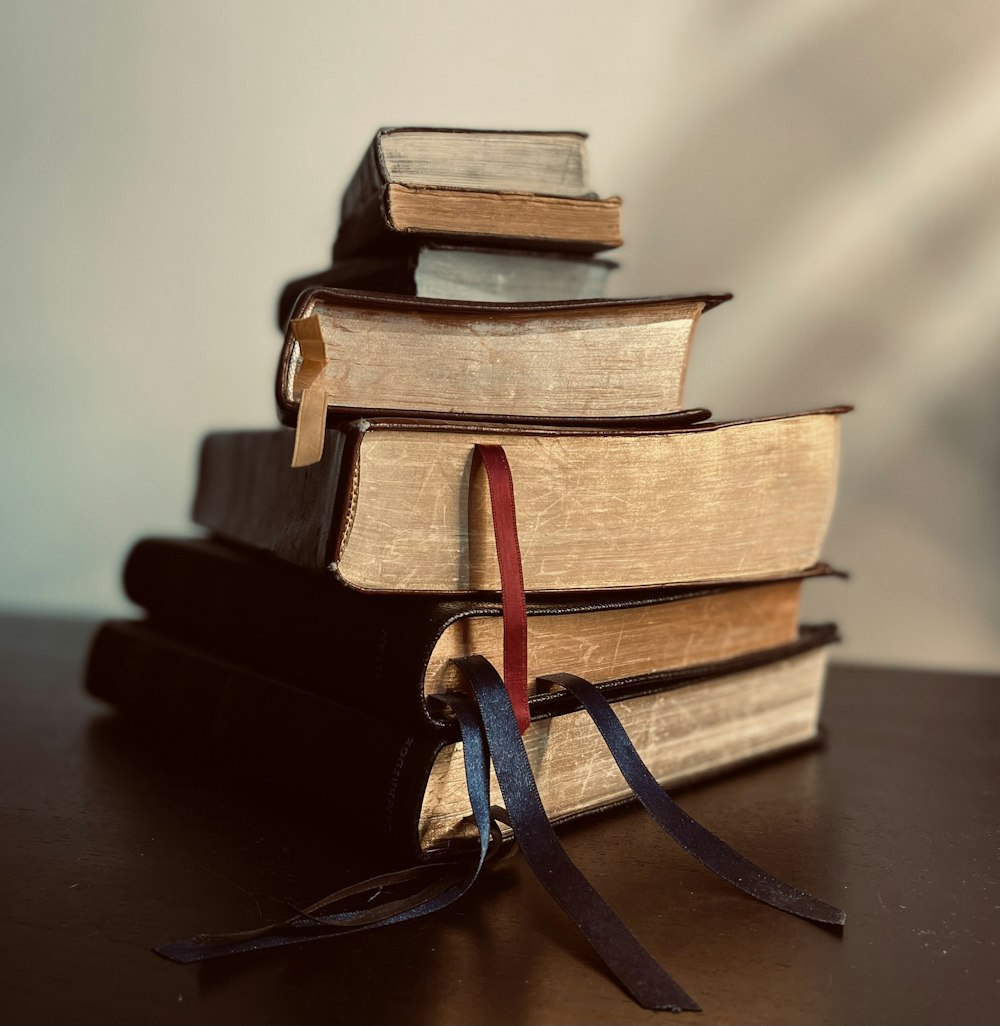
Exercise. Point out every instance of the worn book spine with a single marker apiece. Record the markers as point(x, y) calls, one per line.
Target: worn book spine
point(196, 709)
point(366, 183)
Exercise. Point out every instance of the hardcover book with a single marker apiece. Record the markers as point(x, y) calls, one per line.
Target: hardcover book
point(407, 786)
point(386, 653)
point(364, 353)
point(523, 188)
point(483, 477)
point(394, 506)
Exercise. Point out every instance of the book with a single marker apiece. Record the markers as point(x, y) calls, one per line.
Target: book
point(552, 163)
point(386, 653)
point(394, 505)
point(407, 787)
point(481, 275)
point(367, 353)
point(502, 187)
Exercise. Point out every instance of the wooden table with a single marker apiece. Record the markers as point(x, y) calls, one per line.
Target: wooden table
point(106, 850)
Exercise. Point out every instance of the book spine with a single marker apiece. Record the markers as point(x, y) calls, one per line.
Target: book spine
point(395, 276)
point(248, 492)
point(367, 182)
point(311, 752)
point(365, 227)
point(366, 651)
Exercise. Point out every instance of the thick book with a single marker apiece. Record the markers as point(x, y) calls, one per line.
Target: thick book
point(522, 188)
point(398, 506)
point(475, 274)
point(386, 653)
point(407, 789)
point(370, 354)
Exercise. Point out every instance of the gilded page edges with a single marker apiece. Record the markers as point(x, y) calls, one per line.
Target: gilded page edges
point(350, 499)
point(697, 309)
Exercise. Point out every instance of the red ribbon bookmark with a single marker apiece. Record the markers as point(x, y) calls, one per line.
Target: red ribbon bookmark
point(512, 599)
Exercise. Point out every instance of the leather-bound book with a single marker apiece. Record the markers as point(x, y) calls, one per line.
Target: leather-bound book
point(400, 506)
point(403, 786)
point(386, 654)
point(526, 189)
point(368, 353)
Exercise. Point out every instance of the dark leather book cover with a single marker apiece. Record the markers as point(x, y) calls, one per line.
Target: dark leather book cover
point(198, 711)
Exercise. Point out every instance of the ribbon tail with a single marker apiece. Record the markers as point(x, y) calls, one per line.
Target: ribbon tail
point(637, 971)
point(313, 924)
point(710, 850)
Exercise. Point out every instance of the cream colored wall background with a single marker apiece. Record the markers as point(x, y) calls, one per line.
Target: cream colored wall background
point(164, 167)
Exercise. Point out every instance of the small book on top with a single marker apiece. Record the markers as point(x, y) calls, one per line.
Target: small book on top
point(526, 189)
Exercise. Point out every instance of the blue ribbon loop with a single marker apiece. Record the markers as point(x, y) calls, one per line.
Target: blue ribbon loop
point(699, 842)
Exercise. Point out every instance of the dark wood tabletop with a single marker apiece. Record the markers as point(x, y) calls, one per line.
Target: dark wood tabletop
point(107, 849)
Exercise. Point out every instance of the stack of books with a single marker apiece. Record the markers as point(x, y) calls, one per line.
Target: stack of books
point(351, 558)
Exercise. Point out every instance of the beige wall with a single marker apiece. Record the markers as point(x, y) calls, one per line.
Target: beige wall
point(165, 166)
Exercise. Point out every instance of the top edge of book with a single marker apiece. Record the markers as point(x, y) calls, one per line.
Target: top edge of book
point(552, 162)
point(686, 422)
point(311, 298)
point(452, 130)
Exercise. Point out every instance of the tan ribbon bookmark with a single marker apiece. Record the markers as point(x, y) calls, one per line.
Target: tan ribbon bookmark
point(310, 428)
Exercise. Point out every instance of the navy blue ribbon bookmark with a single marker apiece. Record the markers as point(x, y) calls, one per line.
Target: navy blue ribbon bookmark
point(699, 842)
point(637, 971)
point(450, 881)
